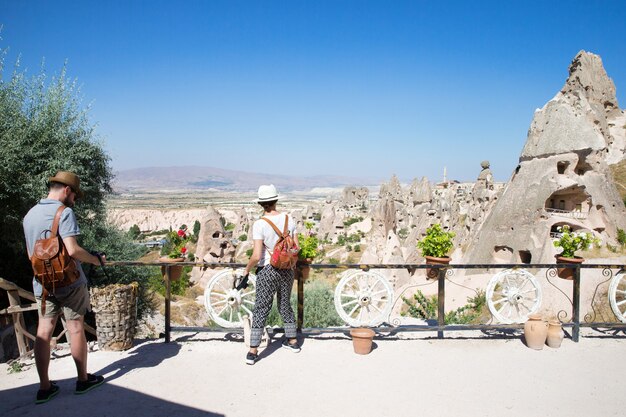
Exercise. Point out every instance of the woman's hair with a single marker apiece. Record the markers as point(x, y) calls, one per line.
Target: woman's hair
point(267, 204)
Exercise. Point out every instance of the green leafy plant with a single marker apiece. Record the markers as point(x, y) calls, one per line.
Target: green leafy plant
point(437, 242)
point(15, 367)
point(243, 238)
point(319, 308)
point(570, 241)
point(175, 243)
point(308, 246)
point(308, 243)
point(423, 307)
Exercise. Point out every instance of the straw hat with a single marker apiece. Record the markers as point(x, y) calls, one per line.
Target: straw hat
point(70, 179)
point(267, 193)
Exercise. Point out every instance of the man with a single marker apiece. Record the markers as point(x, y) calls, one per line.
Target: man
point(72, 300)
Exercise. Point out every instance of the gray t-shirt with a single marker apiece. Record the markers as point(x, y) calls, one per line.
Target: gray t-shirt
point(37, 221)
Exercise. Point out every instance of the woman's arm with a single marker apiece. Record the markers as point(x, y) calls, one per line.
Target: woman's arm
point(256, 255)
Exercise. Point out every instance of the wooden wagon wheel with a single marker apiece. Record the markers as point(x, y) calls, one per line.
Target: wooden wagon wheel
point(512, 295)
point(363, 299)
point(225, 304)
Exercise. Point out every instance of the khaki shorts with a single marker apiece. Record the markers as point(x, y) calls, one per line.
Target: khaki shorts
point(74, 304)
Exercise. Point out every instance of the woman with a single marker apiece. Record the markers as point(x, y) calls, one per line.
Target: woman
point(270, 280)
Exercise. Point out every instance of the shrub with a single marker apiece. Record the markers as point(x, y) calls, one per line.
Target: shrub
point(179, 287)
point(352, 220)
point(249, 252)
point(134, 232)
point(243, 237)
point(423, 307)
point(621, 237)
point(333, 260)
point(319, 307)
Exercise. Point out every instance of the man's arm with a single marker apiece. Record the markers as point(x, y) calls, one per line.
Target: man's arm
point(77, 252)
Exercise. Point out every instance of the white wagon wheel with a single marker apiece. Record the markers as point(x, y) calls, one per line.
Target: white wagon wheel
point(363, 299)
point(227, 305)
point(617, 296)
point(512, 295)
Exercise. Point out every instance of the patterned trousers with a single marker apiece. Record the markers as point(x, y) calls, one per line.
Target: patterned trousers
point(269, 281)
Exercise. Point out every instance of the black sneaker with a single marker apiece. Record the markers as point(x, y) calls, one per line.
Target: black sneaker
point(294, 347)
point(251, 358)
point(91, 382)
point(45, 395)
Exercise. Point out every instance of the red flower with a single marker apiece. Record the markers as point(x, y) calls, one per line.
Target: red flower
point(183, 250)
point(181, 233)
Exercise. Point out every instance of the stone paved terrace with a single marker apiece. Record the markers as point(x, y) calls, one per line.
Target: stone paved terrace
point(412, 374)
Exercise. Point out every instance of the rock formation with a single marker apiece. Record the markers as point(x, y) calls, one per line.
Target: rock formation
point(213, 244)
point(563, 175)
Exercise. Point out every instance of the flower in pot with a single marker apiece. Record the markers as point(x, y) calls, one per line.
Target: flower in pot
point(308, 249)
point(571, 242)
point(174, 250)
point(435, 247)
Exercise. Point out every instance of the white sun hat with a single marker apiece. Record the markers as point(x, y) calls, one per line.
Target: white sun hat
point(267, 193)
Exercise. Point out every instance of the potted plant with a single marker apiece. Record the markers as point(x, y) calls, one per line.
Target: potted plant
point(435, 247)
point(308, 249)
point(570, 242)
point(174, 250)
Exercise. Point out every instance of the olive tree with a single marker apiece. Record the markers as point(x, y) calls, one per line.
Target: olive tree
point(45, 128)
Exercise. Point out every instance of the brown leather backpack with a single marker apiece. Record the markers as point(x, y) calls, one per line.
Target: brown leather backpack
point(285, 253)
point(52, 264)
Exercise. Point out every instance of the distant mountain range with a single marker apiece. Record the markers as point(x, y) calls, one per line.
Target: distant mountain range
point(204, 178)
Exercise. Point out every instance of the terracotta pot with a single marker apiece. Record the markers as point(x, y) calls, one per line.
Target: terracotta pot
point(555, 334)
point(567, 273)
point(433, 273)
point(362, 340)
point(535, 332)
point(175, 271)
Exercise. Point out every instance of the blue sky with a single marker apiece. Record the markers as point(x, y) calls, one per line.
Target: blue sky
point(352, 88)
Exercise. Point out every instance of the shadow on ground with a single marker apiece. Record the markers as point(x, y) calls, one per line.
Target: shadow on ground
point(106, 400)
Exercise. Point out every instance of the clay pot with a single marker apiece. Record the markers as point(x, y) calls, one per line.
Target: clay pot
point(433, 273)
point(535, 332)
point(175, 271)
point(362, 340)
point(555, 334)
point(567, 273)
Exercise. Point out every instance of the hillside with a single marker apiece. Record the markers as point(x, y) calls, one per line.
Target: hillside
point(209, 178)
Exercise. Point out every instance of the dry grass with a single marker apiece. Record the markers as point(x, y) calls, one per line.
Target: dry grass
point(619, 176)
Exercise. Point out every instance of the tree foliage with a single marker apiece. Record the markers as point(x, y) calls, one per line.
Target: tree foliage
point(44, 129)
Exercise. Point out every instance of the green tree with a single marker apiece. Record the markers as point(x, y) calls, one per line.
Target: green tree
point(134, 232)
point(43, 129)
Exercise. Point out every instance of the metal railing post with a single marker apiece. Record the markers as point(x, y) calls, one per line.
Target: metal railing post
point(576, 305)
point(441, 300)
point(168, 296)
point(300, 319)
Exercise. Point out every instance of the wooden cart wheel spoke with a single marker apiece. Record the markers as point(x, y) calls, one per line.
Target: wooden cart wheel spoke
point(616, 296)
point(350, 303)
point(368, 294)
point(512, 295)
point(225, 304)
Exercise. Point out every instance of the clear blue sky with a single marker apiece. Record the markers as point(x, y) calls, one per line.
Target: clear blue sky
point(358, 88)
